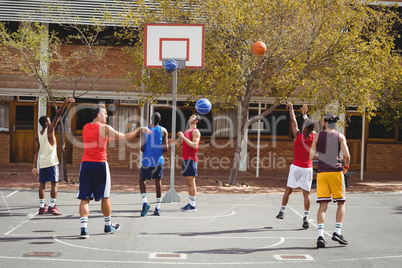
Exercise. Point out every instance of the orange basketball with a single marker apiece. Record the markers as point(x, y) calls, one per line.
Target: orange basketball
point(259, 48)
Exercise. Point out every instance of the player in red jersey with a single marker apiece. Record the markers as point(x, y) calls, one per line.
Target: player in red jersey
point(190, 140)
point(94, 171)
point(301, 171)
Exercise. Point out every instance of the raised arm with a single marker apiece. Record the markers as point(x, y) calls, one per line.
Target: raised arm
point(58, 114)
point(108, 131)
point(293, 122)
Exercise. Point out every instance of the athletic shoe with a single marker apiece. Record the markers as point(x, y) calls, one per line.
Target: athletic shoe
point(185, 207)
point(339, 238)
point(145, 208)
point(112, 228)
point(189, 207)
point(84, 233)
point(305, 223)
point(321, 242)
point(157, 212)
point(53, 210)
point(281, 215)
point(42, 210)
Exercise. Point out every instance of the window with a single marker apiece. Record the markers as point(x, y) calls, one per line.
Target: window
point(274, 124)
point(83, 116)
point(24, 117)
point(354, 127)
point(379, 131)
point(225, 124)
point(182, 116)
point(124, 118)
point(4, 116)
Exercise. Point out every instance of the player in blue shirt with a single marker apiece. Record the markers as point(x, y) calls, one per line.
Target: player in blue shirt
point(153, 146)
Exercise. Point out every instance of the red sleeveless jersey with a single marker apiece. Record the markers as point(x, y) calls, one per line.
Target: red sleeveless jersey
point(94, 144)
point(188, 152)
point(302, 151)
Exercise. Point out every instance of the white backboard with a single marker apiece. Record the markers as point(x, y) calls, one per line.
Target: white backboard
point(174, 41)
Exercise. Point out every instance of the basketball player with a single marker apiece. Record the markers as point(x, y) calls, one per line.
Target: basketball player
point(190, 140)
point(301, 171)
point(94, 171)
point(153, 147)
point(46, 146)
point(326, 147)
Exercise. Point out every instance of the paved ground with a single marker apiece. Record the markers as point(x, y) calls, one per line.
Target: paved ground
point(228, 230)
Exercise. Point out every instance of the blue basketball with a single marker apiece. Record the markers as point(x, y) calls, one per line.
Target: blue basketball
point(171, 65)
point(203, 106)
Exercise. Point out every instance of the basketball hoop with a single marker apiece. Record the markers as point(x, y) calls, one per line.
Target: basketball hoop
point(181, 63)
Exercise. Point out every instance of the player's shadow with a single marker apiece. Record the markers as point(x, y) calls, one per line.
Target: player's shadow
point(35, 240)
point(132, 213)
point(398, 210)
point(248, 251)
point(238, 231)
point(14, 211)
point(53, 217)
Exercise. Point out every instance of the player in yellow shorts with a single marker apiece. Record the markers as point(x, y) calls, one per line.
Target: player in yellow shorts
point(331, 183)
point(326, 147)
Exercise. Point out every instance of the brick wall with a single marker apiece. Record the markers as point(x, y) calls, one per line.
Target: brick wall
point(218, 154)
point(4, 148)
point(384, 158)
point(212, 154)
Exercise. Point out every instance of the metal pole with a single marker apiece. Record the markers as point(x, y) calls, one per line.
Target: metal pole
point(362, 149)
point(171, 195)
point(257, 171)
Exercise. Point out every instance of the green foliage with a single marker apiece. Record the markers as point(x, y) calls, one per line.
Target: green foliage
point(318, 51)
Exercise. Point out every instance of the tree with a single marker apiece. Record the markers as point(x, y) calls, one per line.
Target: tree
point(318, 51)
point(38, 53)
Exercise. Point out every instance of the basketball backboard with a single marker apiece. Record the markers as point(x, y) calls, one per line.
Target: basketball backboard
point(174, 41)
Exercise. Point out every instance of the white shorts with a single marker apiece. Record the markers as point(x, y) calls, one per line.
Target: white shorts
point(300, 177)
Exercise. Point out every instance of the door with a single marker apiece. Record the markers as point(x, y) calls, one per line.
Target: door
point(23, 131)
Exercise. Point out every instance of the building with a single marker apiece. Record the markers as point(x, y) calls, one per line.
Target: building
point(21, 104)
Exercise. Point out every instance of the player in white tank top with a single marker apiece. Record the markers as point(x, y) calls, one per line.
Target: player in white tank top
point(45, 146)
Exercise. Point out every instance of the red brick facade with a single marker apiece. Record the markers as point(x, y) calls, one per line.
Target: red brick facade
point(218, 154)
point(384, 158)
point(5, 148)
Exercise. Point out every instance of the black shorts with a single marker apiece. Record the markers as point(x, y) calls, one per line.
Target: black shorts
point(151, 172)
point(189, 168)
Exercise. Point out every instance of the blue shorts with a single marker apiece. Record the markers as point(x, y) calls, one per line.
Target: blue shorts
point(148, 173)
point(189, 168)
point(49, 174)
point(94, 181)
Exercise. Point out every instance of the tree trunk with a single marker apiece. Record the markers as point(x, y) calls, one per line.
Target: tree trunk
point(242, 119)
point(236, 161)
point(63, 163)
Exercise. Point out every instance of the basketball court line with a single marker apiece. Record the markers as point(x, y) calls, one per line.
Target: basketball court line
point(13, 193)
point(55, 237)
point(30, 216)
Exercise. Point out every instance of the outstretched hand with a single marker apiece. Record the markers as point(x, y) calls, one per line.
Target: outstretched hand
point(304, 109)
point(289, 105)
point(146, 130)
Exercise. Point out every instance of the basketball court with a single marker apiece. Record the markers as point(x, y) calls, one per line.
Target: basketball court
point(227, 230)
